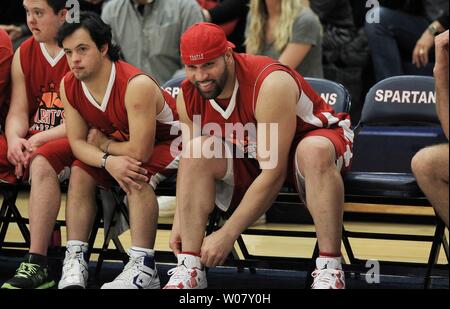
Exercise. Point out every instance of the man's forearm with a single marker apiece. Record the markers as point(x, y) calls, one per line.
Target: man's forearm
point(16, 126)
point(258, 198)
point(127, 148)
point(53, 133)
point(87, 153)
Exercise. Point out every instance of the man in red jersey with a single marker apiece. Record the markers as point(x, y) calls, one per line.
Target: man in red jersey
point(6, 54)
point(34, 147)
point(271, 125)
point(118, 123)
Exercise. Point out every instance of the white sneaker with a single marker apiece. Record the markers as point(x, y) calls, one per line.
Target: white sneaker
point(189, 274)
point(75, 269)
point(328, 274)
point(167, 205)
point(139, 273)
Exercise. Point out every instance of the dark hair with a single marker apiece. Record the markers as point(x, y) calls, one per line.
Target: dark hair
point(57, 5)
point(98, 30)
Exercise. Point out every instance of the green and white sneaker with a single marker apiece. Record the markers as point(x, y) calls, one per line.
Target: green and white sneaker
point(31, 274)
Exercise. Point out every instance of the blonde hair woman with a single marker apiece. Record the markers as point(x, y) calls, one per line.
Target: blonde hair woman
point(286, 30)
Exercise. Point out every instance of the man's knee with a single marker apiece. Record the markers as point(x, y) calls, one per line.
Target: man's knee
point(145, 190)
point(204, 155)
point(41, 168)
point(431, 162)
point(79, 178)
point(316, 155)
point(419, 163)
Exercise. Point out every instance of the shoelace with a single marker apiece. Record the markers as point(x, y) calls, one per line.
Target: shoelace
point(26, 270)
point(178, 274)
point(73, 259)
point(130, 268)
point(325, 277)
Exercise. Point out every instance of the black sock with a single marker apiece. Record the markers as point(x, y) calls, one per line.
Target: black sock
point(35, 258)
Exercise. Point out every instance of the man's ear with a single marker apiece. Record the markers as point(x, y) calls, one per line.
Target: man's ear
point(228, 55)
point(104, 49)
point(62, 14)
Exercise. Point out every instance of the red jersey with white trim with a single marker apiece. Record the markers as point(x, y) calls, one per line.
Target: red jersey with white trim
point(313, 113)
point(42, 77)
point(111, 116)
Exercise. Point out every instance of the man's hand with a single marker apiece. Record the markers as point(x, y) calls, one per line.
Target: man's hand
point(441, 48)
point(127, 172)
point(422, 49)
point(18, 170)
point(13, 31)
point(97, 138)
point(35, 141)
point(216, 248)
point(18, 151)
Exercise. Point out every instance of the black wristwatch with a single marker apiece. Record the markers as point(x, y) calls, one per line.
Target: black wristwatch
point(103, 162)
point(433, 30)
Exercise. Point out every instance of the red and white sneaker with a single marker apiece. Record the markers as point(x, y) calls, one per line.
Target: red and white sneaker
point(328, 274)
point(189, 274)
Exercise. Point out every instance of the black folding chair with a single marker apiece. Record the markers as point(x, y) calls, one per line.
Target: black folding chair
point(393, 104)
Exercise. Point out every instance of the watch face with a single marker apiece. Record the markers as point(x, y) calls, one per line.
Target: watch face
point(432, 29)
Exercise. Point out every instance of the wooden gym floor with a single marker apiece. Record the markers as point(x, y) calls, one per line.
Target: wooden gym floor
point(386, 250)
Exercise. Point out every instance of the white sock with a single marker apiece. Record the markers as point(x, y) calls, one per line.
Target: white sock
point(329, 262)
point(83, 245)
point(142, 251)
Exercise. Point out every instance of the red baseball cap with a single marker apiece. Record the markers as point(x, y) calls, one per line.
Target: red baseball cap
point(203, 42)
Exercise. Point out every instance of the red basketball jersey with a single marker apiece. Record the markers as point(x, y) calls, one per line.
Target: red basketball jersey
point(42, 77)
point(111, 116)
point(311, 110)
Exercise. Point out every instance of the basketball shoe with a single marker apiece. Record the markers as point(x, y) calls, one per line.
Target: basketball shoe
point(328, 274)
point(189, 274)
point(139, 273)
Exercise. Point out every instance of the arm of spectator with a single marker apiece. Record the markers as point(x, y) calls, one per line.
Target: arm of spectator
point(270, 109)
point(420, 55)
point(441, 79)
point(305, 34)
point(13, 31)
point(294, 53)
point(226, 11)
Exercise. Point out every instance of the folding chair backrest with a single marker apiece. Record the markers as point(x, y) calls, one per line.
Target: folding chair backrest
point(333, 93)
point(401, 100)
point(173, 85)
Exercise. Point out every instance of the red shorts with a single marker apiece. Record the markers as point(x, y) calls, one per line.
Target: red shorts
point(57, 153)
point(160, 166)
point(242, 172)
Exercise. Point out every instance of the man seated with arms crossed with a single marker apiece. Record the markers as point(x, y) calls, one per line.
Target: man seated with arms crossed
point(308, 142)
point(118, 123)
point(34, 147)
